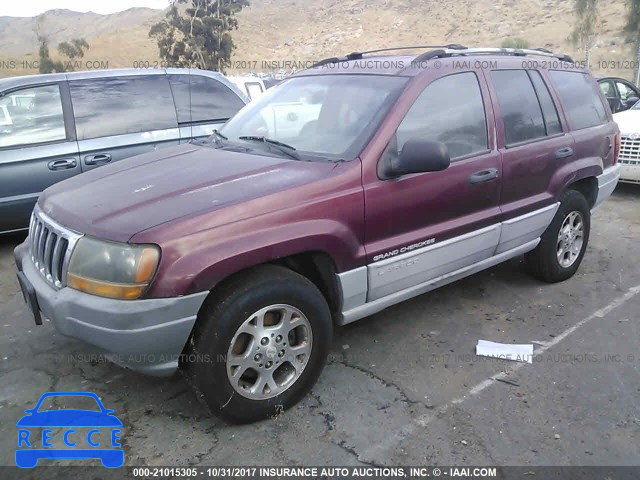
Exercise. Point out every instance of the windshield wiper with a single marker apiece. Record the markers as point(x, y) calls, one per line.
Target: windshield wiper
point(280, 146)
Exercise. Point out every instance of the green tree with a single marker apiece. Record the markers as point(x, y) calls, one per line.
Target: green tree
point(198, 35)
point(75, 49)
point(632, 29)
point(584, 32)
point(46, 65)
point(515, 42)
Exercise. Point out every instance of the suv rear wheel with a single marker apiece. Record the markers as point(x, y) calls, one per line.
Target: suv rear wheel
point(261, 344)
point(564, 243)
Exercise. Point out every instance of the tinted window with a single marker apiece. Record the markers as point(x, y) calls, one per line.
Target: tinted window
point(212, 100)
point(519, 106)
point(607, 89)
point(120, 105)
point(450, 110)
point(626, 91)
point(580, 100)
point(549, 111)
point(202, 99)
point(32, 115)
point(182, 96)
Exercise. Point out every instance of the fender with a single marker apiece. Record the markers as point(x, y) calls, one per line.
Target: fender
point(219, 253)
point(574, 171)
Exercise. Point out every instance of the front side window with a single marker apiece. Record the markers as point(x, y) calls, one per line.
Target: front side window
point(120, 105)
point(607, 89)
point(32, 116)
point(203, 99)
point(326, 116)
point(626, 92)
point(212, 101)
point(519, 106)
point(450, 110)
point(580, 100)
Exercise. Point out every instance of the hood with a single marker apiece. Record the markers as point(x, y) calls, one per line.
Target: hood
point(117, 201)
point(628, 121)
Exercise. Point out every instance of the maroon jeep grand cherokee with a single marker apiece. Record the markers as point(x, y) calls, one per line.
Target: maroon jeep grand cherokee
point(348, 188)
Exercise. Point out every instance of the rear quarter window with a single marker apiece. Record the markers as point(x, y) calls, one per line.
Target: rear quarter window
point(580, 99)
point(203, 99)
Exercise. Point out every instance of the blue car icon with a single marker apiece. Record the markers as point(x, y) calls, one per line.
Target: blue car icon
point(31, 448)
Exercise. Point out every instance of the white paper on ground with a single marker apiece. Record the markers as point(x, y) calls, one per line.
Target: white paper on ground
point(505, 351)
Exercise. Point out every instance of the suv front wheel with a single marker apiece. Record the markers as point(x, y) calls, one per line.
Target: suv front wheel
point(562, 246)
point(261, 344)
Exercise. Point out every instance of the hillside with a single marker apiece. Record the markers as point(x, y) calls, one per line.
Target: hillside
point(271, 31)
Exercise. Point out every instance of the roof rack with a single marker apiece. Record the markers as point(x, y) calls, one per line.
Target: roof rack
point(452, 49)
point(518, 52)
point(360, 55)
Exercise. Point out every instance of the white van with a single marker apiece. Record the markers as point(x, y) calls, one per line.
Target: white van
point(251, 86)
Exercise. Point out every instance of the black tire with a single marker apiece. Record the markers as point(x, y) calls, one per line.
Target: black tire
point(543, 262)
point(225, 311)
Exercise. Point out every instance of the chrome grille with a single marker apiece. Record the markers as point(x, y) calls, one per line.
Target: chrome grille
point(51, 245)
point(629, 151)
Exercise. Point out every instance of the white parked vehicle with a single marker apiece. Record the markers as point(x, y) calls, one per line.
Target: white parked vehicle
point(252, 87)
point(629, 123)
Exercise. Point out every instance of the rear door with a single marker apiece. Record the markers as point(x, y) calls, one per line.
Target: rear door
point(590, 124)
point(203, 104)
point(122, 116)
point(37, 148)
point(534, 147)
point(420, 227)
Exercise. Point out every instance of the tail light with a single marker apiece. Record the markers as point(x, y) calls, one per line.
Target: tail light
point(616, 147)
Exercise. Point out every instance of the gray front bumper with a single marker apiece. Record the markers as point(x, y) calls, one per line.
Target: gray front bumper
point(147, 336)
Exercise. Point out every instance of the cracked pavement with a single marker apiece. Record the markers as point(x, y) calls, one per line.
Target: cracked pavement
point(403, 387)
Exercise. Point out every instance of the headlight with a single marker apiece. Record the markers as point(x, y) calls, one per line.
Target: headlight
point(113, 270)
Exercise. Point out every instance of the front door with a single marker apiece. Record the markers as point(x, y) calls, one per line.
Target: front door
point(420, 227)
point(37, 149)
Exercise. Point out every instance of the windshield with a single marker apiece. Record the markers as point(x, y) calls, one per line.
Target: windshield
point(636, 106)
point(330, 116)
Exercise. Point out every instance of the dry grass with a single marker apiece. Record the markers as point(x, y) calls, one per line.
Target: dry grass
point(302, 30)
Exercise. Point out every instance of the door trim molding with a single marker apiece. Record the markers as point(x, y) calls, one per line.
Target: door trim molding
point(516, 236)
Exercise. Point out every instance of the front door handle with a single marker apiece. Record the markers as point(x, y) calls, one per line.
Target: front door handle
point(484, 176)
point(565, 152)
point(64, 164)
point(97, 159)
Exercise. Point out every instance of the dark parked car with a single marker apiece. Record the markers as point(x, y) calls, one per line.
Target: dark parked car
point(235, 258)
point(621, 94)
point(53, 127)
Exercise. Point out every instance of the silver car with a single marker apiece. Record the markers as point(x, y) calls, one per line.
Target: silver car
point(55, 126)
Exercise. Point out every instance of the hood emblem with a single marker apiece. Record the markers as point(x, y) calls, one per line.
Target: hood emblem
point(634, 136)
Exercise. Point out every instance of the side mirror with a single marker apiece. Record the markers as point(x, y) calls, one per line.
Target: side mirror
point(417, 156)
point(630, 102)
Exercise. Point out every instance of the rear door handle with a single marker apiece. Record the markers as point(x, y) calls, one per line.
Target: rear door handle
point(565, 152)
point(97, 159)
point(64, 164)
point(484, 176)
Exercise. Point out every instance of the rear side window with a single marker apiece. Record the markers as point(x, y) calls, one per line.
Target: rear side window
point(203, 99)
point(119, 105)
point(549, 111)
point(519, 106)
point(450, 110)
point(580, 100)
point(32, 115)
